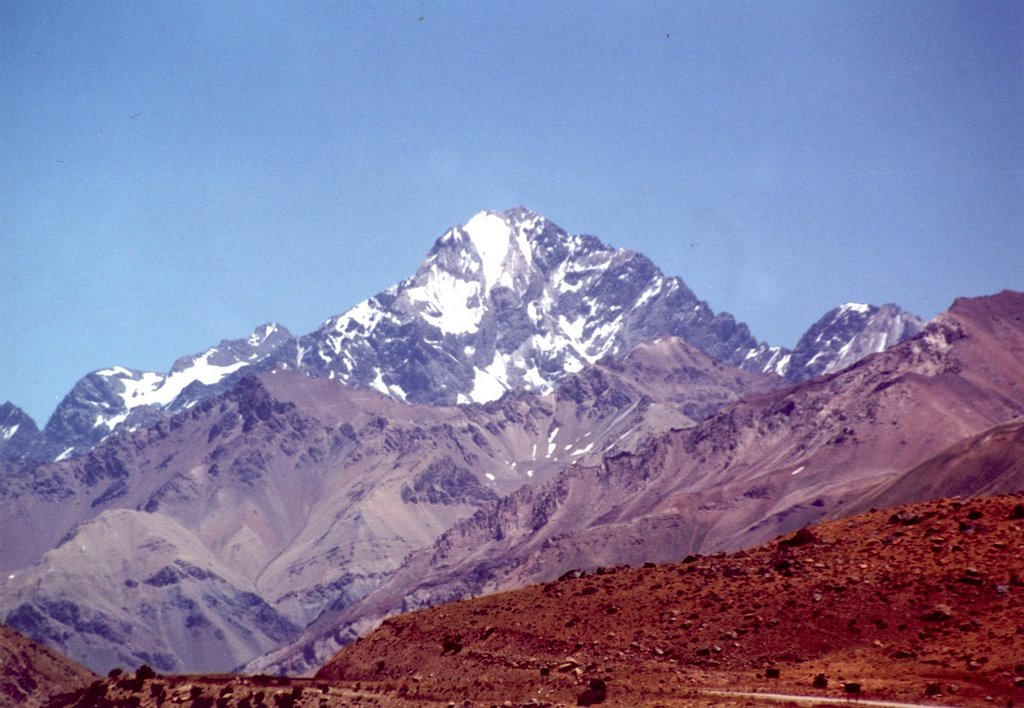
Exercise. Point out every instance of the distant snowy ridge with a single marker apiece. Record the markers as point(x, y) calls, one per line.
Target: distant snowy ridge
point(847, 334)
point(108, 399)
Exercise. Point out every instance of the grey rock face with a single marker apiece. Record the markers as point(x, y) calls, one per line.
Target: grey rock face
point(18, 432)
point(847, 334)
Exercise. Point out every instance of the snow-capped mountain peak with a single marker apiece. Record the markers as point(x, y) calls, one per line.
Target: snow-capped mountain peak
point(510, 300)
point(17, 431)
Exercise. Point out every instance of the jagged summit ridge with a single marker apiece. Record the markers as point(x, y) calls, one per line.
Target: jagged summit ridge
point(510, 300)
point(847, 334)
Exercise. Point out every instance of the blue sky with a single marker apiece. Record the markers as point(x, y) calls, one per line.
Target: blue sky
point(177, 173)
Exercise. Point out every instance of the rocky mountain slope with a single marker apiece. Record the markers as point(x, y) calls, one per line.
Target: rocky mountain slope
point(763, 466)
point(923, 602)
point(216, 535)
point(510, 301)
point(30, 673)
point(988, 463)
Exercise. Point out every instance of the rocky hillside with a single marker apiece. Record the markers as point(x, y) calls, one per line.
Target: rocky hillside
point(920, 602)
point(220, 533)
point(30, 673)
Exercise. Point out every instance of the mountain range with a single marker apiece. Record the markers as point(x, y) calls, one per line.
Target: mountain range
point(529, 401)
point(510, 301)
point(765, 465)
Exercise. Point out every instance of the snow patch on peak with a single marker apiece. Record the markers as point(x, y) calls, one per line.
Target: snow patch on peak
point(393, 390)
point(491, 236)
point(150, 388)
point(448, 301)
point(491, 383)
point(857, 307)
point(114, 371)
point(261, 334)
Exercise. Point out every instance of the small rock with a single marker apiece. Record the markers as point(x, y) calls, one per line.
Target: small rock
point(939, 613)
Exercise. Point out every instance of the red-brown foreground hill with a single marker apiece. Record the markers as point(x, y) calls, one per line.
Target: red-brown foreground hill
point(923, 599)
point(30, 672)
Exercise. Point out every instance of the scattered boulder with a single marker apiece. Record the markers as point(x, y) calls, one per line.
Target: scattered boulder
point(596, 692)
point(801, 538)
point(451, 644)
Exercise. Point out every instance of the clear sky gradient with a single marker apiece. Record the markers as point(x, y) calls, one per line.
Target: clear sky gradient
point(176, 173)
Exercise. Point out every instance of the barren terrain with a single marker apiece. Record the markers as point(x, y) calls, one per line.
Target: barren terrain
point(919, 604)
